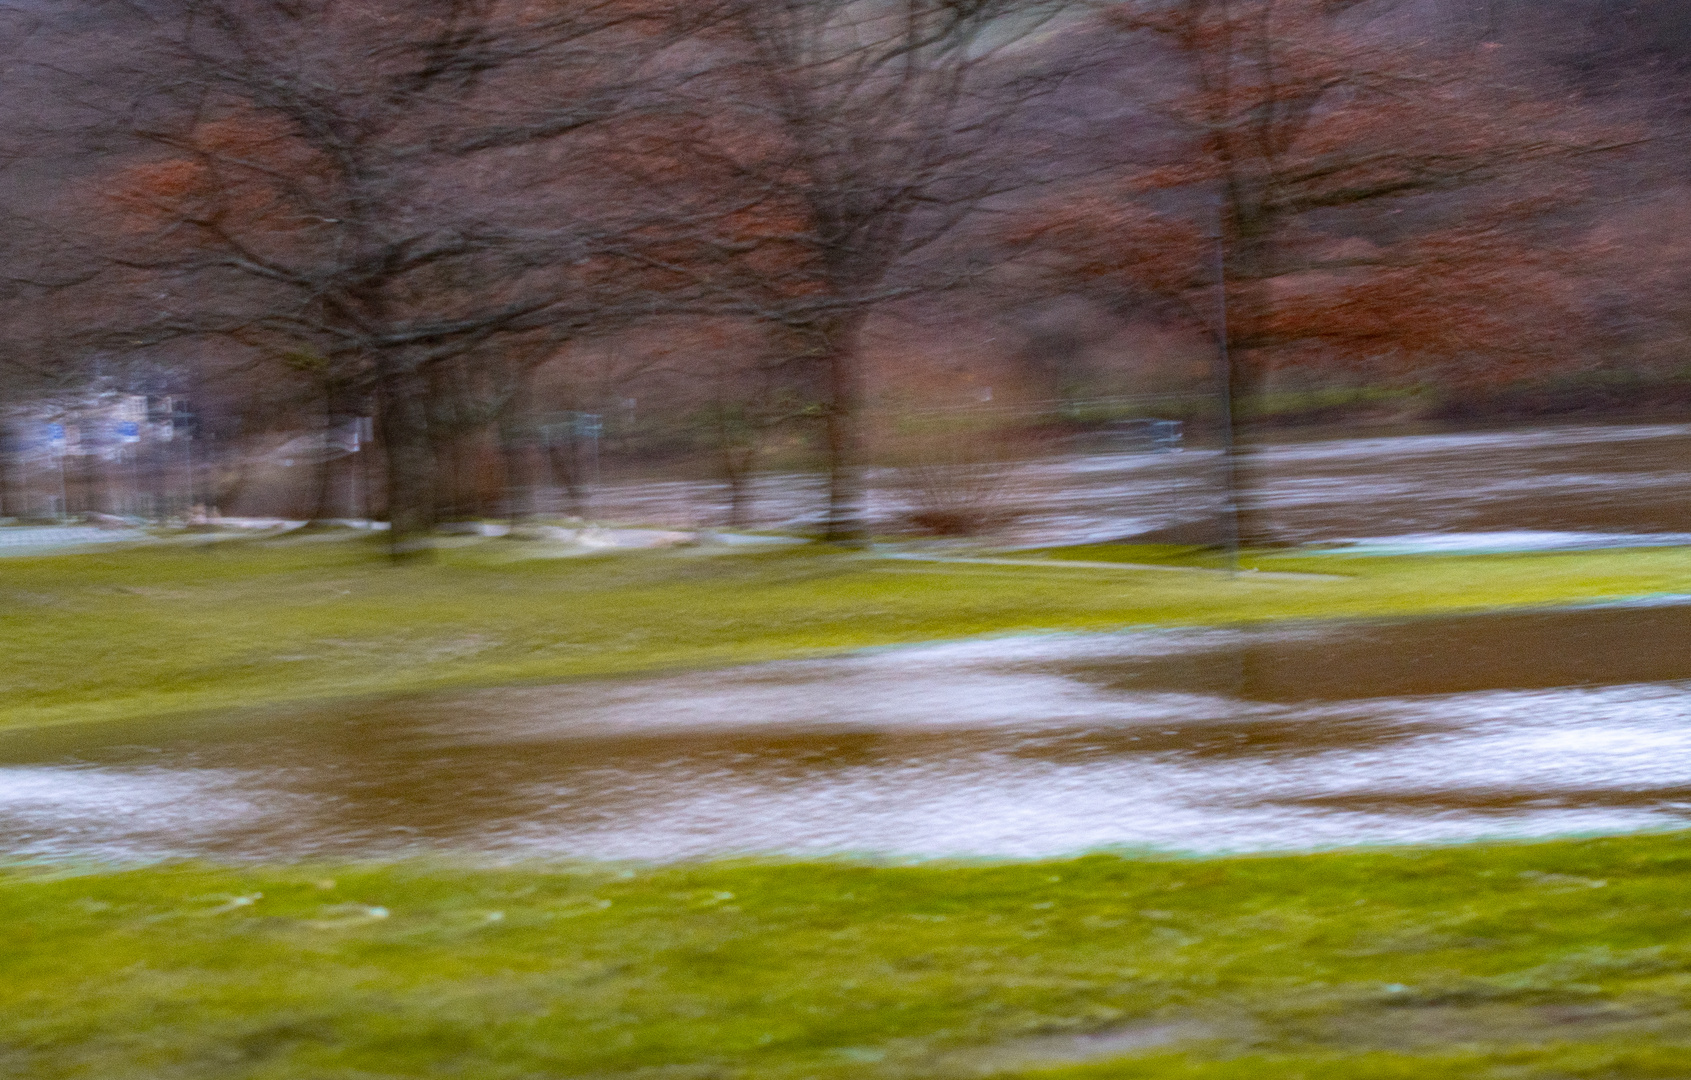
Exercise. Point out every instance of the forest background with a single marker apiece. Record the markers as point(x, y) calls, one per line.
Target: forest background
point(441, 243)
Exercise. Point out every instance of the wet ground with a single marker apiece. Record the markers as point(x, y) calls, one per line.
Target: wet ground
point(1576, 486)
point(1520, 725)
point(1596, 480)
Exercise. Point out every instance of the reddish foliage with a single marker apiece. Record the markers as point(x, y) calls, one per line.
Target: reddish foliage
point(239, 175)
point(1310, 131)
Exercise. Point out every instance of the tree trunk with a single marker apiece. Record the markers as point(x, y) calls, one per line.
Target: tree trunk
point(1248, 269)
point(1250, 516)
point(514, 432)
point(516, 450)
point(564, 460)
point(736, 452)
point(736, 463)
point(488, 474)
point(843, 431)
point(448, 475)
point(410, 457)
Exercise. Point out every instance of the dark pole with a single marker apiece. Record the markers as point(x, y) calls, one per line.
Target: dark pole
point(1229, 476)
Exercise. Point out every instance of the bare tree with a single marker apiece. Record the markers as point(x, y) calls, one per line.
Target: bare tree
point(745, 381)
point(1326, 192)
point(836, 144)
point(381, 188)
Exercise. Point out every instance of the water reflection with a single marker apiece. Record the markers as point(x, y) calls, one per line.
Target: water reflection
point(1597, 479)
point(1291, 737)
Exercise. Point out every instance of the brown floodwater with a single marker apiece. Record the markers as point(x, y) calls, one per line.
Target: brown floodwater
point(1290, 737)
point(1552, 486)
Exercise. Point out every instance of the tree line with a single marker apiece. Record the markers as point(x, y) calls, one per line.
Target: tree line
point(414, 211)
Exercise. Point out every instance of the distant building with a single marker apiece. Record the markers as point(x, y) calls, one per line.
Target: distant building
point(96, 452)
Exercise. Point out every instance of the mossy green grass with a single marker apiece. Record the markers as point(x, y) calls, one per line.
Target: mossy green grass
point(154, 631)
point(1514, 961)
point(1509, 961)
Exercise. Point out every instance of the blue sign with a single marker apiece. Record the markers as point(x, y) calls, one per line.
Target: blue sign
point(129, 431)
point(56, 433)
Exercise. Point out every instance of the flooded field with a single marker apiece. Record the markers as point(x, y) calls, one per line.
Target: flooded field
point(1517, 725)
point(1590, 479)
point(1243, 739)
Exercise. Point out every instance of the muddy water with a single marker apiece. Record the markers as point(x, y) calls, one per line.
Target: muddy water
point(1202, 740)
point(1631, 479)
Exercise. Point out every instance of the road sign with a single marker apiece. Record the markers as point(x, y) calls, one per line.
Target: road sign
point(128, 431)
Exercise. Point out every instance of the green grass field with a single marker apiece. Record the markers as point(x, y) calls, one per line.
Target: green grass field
point(165, 630)
point(1507, 962)
point(1552, 960)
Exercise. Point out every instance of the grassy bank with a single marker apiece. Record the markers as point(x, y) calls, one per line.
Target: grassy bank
point(153, 631)
point(1568, 959)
